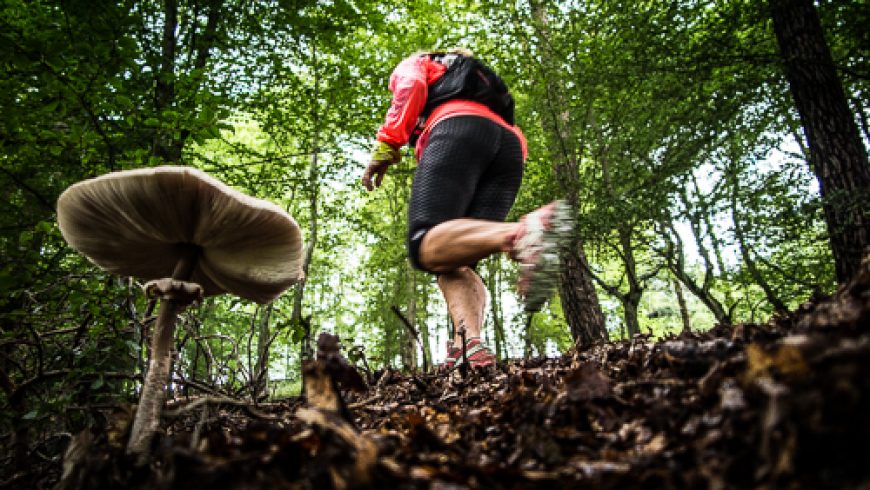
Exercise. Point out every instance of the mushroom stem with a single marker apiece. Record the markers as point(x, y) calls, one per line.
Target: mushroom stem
point(185, 265)
point(147, 418)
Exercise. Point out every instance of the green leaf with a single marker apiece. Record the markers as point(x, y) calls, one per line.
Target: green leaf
point(133, 346)
point(7, 282)
point(298, 335)
point(124, 101)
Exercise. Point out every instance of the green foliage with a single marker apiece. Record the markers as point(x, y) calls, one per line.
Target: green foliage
point(674, 114)
point(548, 335)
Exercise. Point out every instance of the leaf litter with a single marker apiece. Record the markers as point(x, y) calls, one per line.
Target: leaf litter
point(777, 405)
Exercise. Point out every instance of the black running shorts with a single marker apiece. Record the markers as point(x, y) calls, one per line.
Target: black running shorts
point(471, 167)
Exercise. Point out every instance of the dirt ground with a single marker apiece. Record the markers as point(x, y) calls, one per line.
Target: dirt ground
point(779, 405)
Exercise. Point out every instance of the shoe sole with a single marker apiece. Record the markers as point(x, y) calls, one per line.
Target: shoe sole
point(543, 281)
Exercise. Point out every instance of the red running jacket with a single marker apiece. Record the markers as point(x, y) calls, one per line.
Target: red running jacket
point(409, 84)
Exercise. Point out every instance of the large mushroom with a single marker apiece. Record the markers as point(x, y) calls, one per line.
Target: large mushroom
point(187, 234)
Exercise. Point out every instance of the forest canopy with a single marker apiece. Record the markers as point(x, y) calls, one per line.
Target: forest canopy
point(674, 128)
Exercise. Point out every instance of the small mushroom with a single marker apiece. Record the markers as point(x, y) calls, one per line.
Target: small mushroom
point(190, 236)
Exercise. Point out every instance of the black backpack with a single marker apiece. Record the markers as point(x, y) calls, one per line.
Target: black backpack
point(467, 78)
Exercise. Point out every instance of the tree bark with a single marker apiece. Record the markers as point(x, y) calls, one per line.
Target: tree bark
point(313, 194)
point(423, 309)
point(409, 346)
point(630, 300)
point(264, 344)
point(579, 299)
point(837, 154)
point(164, 147)
point(493, 285)
point(527, 336)
point(684, 310)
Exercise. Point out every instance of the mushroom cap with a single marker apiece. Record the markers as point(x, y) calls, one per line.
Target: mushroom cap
point(140, 223)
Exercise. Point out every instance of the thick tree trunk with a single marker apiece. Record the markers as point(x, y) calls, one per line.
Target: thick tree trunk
point(837, 154)
point(408, 352)
point(580, 300)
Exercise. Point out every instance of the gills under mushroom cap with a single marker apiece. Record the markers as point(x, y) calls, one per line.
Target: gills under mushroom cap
point(141, 222)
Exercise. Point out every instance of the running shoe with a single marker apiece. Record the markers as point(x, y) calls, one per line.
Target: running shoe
point(536, 247)
point(477, 354)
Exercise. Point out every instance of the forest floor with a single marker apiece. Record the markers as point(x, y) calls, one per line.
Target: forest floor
point(780, 405)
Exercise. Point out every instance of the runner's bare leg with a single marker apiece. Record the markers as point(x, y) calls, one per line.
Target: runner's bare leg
point(448, 249)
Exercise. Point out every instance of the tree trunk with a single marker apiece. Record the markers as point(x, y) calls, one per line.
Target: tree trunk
point(164, 147)
point(837, 154)
point(296, 318)
point(409, 345)
point(312, 188)
point(261, 369)
point(630, 300)
point(625, 250)
point(579, 300)
point(493, 285)
point(169, 142)
point(684, 310)
point(630, 304)
point(748, 261)
point(423, 308)
point(702, 293)
point(675, 258)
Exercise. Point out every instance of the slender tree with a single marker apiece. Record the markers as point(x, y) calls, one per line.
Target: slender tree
point(684, 309)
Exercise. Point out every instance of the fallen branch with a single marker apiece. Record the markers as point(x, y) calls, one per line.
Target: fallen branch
point(200, 386)
point(219, 400)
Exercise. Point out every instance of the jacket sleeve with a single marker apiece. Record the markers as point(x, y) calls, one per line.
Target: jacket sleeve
point(408, 83)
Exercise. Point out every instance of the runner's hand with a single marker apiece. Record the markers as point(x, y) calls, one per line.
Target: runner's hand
point(383, 156)
point(375, 170)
